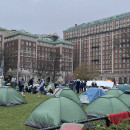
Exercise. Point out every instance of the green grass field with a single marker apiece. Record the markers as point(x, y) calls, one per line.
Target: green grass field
point(14, 117)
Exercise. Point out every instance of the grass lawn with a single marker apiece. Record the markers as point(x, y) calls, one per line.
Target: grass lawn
point(14, 117)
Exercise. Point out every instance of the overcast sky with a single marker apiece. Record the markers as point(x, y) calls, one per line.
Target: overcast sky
point(54, 16)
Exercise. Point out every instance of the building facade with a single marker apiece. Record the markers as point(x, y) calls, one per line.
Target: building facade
point(3, 32)
point(104, 43)
point(32, 54)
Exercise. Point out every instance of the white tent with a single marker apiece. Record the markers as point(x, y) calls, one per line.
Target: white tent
point(107, 84)
point(24, 73)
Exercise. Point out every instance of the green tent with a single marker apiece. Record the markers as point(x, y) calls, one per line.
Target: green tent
point(51, 111)
point(125, 98)
point(106, 104)
point(68, 93)
point(115, 92)
point(50, 86)
point(9, 96)
point(123, 87)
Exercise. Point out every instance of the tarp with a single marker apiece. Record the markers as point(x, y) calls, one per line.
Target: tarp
point(117, 118)
point(68, 93)
point(115, 92)
point(84, 99)
point(91, 94)
point(9, 96)
point(107, 84)
point(123, 87)
point(72, 126)
point(51, 111)
point(106, 104)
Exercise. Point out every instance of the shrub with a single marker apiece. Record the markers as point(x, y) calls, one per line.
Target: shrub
point(125, 125)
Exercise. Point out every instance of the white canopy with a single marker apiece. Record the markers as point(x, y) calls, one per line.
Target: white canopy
point(24, 73)
point(108, 84)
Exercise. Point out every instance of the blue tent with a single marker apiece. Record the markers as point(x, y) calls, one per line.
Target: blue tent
point(91, 94)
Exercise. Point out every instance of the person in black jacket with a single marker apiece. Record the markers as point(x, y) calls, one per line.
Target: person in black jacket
point(77, 85)
point(31, 82)
point(94, 84)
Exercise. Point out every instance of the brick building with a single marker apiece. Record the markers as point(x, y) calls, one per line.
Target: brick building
point(25, 51)
point(104, 43)
point(3, 32)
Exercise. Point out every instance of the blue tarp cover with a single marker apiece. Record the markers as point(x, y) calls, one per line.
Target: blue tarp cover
point(93, 93)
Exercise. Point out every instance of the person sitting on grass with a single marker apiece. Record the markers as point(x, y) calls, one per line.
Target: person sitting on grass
point(7, 82)
point(50, 91)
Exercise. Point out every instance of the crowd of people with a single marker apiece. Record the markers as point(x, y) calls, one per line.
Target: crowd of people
point(38, 87)
point(77, 85)
point(41, 88)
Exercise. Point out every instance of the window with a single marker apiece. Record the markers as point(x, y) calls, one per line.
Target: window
point(116, 66)
point(21, 53)
point(22, 43)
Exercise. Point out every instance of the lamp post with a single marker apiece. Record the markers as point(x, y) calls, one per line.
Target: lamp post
point(46, 77)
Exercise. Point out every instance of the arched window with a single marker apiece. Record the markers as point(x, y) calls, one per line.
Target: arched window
point(125, 80)
point(120, 80)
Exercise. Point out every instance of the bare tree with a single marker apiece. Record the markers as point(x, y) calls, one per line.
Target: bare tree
point(86, 71)
point(10, 61)
point(50, 65)
point(42, 67)
point(54, 64)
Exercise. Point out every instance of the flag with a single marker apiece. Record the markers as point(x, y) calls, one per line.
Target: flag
point(2, 65)
point(115, 83)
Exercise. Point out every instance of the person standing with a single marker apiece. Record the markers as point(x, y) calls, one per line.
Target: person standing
point(21, 86)
point(94, 84)
point(41, 88)
point(77, 85)
point(74, 85)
